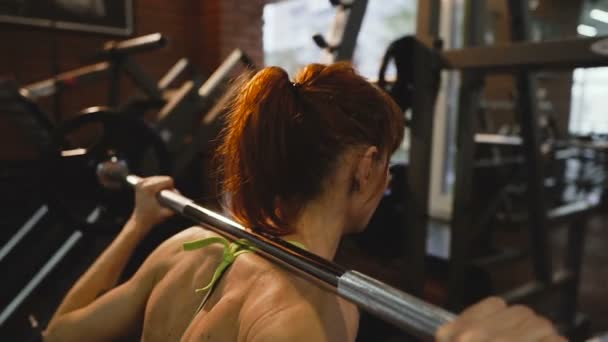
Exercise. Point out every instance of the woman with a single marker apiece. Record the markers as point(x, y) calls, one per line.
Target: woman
point(307, 161)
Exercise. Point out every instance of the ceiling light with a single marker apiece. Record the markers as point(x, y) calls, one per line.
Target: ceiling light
point(599, 15)
point(586, 30)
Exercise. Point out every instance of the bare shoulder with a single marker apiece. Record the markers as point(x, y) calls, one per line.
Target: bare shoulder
point(272, 283)
point(281, 305)
point(175, 243)
point(298, 322)
point(276, 304)
point(194, 232)
point(170, 250)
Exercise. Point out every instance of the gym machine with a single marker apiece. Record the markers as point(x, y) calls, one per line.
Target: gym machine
point(57, 230)
point(114, 59)
point(342, 37)
point(518, 58)
point(191, 119)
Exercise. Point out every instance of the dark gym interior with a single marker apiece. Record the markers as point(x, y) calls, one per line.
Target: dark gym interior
point(498, 188)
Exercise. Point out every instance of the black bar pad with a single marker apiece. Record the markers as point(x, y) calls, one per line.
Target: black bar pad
point(136, 45)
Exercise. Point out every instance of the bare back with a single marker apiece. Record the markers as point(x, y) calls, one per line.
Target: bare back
point(252, 292)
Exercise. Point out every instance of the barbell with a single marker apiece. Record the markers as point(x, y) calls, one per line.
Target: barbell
point(405, 311)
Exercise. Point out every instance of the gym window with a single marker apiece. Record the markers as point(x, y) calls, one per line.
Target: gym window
point(290, 24)
point(589, 86)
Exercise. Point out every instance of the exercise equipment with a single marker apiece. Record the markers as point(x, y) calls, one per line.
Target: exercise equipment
point(401, 52)
point(114, 59)
point(518, 58)
point(182, 119)
point(342, 36)
point(181, 130)
point(46, 253)
point(407, 312)
point(99, 134)
point(178, 112)
point(65, 153)
point(26, 138)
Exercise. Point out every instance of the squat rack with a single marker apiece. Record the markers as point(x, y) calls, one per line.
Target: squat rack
point(518, 58)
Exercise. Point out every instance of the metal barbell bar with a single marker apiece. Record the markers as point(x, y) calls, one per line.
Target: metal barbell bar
point(405, 311)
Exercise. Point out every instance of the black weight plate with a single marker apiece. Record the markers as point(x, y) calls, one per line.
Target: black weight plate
point(88, 140)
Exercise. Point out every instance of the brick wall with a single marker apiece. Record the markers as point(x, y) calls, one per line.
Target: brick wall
point(230, 24)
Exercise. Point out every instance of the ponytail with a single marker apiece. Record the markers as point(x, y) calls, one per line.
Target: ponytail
point(282, 139)
point(254, 150)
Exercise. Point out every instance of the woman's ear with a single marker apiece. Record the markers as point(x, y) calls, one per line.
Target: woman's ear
point(365, 168)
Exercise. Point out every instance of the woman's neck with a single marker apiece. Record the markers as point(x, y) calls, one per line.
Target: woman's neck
point(320, 227)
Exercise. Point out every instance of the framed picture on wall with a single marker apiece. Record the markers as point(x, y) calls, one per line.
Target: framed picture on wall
point(113, 17)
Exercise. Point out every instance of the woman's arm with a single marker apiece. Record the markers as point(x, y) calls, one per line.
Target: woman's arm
point(120, 312)
point(116, 314)
point(103, 274)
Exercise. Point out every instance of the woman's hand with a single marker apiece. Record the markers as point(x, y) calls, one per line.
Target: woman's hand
point(493, 320)
point(148, 212)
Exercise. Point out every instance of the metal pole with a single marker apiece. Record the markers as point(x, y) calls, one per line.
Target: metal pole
point(462, 205)
point(427, 23)
point(528, 115)
point(346, 48)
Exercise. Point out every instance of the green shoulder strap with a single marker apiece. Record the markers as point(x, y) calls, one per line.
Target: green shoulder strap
point(231, 251)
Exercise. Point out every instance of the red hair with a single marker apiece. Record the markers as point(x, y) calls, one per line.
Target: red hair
point(282, 139)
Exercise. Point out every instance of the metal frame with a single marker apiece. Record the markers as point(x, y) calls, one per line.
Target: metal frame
point(342, 37)
point(518, 58)
point(40, 276)
point(206, 124)
point(530, 56)
point(441, 197)
point(115, 58)
point(528, 116)
point(59, 254)
point(574, 259)
point(23, 231)
point(348, 41)
point(52, 85)
point(462, 220)
point(427, 24)
point(418, 178)
point(420, 148)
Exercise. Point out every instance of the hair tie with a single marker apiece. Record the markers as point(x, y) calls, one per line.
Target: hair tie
point(295, 86)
